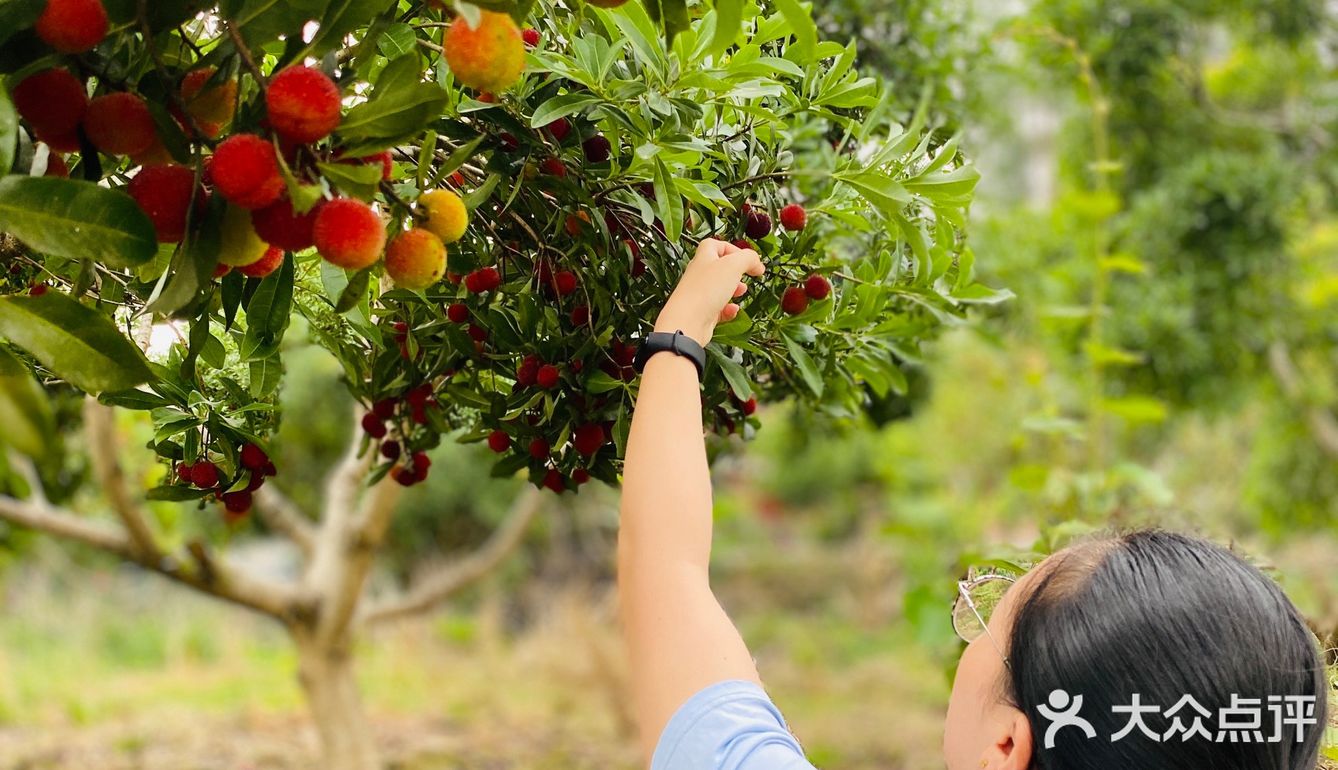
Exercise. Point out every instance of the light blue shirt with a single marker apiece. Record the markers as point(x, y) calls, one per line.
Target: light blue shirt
point(730, 725)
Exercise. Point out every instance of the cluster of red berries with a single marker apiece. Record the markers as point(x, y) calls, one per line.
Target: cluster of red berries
point(400, 414)
point(205, 474)
point(795, 299)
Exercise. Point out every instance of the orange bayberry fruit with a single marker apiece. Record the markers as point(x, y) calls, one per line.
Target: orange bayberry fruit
point(72, 26)
point(120, 124)
point(211, 106)
point(245, 170)
point(349, 233)
point(489, 57)
point(447, 216)
point(303, 104)
point(415, 259)
point(267, 264)
point(164, 193)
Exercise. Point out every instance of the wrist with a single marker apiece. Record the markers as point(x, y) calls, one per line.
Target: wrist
point(695, 332)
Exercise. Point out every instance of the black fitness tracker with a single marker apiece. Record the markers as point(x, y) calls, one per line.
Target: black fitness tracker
point(677, 343)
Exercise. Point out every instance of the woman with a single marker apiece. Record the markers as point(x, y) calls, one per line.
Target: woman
point(1146, 651)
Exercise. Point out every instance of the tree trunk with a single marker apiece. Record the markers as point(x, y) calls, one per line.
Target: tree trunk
point(326, 674)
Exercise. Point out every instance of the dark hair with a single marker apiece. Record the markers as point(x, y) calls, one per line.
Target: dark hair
point(1162, 615)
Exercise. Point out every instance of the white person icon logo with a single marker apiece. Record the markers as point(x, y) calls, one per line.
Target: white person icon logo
point(1062, 711)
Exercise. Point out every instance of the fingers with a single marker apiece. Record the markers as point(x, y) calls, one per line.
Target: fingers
point(748, 262)
point(740, 290)
point(730, 312)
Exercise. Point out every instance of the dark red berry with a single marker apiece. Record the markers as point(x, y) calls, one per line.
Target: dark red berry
point(817, 287)
point(372, 425)
point(499, 441)
point(794, 301)
point(547, 376)
point(539, 449)
point(254, 458)
point(597, 148)
point(458, 312)
point(390, 450)
point(204, 474)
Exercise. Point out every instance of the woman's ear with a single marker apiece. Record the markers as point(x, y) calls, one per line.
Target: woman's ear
point(1011, 749)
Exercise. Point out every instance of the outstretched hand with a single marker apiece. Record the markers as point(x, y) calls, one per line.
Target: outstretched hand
point(705, 294)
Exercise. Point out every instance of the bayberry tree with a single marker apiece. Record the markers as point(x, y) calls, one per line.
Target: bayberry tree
point(477, 209)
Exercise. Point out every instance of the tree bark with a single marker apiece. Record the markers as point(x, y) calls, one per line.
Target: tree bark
point(327, 677)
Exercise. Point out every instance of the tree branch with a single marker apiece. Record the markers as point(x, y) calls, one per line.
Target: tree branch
point(364, 535)
point(451, 577)
point(1323, 424)
point(219, 580)
point(282, 515)
point(100, 426)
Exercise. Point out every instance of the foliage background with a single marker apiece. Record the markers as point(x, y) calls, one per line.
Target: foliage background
point(1214, 242)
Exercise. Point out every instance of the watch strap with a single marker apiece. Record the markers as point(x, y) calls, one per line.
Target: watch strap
point(677, 343)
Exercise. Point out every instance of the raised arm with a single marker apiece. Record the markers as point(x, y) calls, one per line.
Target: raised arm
point(678, 637)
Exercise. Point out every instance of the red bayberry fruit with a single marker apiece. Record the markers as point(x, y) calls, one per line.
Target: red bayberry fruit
point(477, 333)
point(794, 301)
point(390, 450)
point(758, 224)
point(72, 26)
point(120, 124)
point(253, 458)
point(245, 170)
point(238, 503)
point(348, 233)
point(589, 438)
point(303, 104)
point(597, 148)
point(420, 395)
point(483, 279)
point(204, 474)
point(539, 449)
point(580, 315)
point(531, 36)
point(559, 129)
point(52, 101)
point(553, 166)
point(499, 441)
point(528, 371)
point(458, 312)
point(385, 408)
point(817, 287)
point(749, 406)
point(793, 217)
point(278, 225)
point(553, 480)
point(564, 282)
point(405, 477)
point(580, 476)
point(183, 473)
point(547, 376)
point(741, 244)
point(421, 462)
point(164, 193)
point(372, 426)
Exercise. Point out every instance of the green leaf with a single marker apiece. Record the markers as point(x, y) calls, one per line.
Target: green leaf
point(397, 40)
point(980, 294)
point(807, 369)
point(9, 132)
point(601, 382)
point(75, 219)
point(265, 375)
point(1136, 408)
point(400, 104)
point(354, 291)
point(735, 375)
point(177, 493)
point(728, 25)
point(268, 312)
point(805, 45)
point(668, 201)
point(560, 107)
point(134, 399)
point(359, 180)
point(341, 18)
point(18, 15)
point(193, 264)
point(76, 342)
point(24, 410)
point(881, 191)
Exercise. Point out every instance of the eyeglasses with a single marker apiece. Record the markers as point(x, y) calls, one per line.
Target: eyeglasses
point(977, 598)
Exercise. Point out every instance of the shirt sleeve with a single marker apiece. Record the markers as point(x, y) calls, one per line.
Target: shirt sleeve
point(730, 725)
